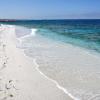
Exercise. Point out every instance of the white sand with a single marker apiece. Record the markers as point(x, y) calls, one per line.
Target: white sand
point(19, 79)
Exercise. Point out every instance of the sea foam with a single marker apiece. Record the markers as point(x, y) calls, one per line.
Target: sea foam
point(33, 32)
point(55, 82)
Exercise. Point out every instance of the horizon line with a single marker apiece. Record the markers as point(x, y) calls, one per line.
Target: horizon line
point(51, 19)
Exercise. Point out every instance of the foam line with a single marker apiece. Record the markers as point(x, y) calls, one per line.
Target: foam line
point(57, 84)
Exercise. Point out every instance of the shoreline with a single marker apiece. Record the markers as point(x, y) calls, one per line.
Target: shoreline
point(20, 73)
point(84, 67)
point(55, 82)
point(78, 58)
point(20, 80)
point(87, 50)
point(48, 78)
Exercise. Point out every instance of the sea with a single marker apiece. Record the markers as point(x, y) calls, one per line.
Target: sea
point(56, 44)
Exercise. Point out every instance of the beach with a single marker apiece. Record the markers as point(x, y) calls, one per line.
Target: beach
point(35, 67)
point(19, 77)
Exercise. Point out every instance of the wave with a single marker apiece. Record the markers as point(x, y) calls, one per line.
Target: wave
point(23, 32)
point(33, 32)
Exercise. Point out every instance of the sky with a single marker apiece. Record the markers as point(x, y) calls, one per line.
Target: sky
point(49, 9)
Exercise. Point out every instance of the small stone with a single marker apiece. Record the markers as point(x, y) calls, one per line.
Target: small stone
point(11, 95)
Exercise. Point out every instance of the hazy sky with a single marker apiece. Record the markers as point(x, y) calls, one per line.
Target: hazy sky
point(49, 9)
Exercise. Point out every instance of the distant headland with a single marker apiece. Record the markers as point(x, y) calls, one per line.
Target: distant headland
point(7, 20)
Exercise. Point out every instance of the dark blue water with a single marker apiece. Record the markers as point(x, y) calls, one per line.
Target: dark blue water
point(84, 32)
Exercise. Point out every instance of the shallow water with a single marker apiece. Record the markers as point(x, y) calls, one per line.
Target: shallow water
point(70, 66)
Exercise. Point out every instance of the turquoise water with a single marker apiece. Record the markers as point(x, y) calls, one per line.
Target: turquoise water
point(82, 33)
